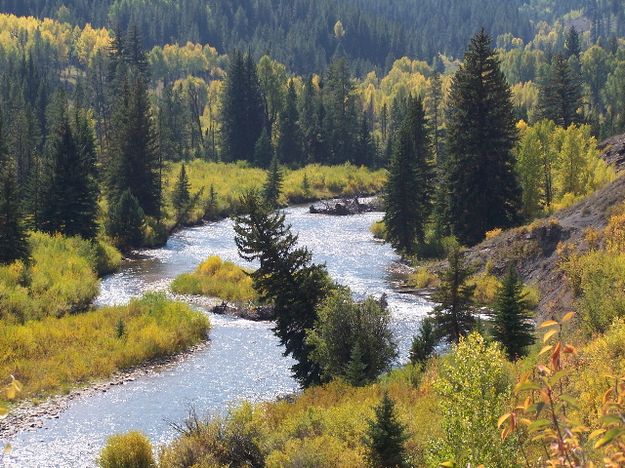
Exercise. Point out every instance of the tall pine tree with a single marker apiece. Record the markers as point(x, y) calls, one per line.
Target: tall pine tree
point(483, 189)
point(290, 142)
point(560, 94)
point(69, 193)
point(134, 160)
point(407, 196)
point(242, 110)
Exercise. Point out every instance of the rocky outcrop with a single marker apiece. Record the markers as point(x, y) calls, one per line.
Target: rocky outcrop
point(613, 152)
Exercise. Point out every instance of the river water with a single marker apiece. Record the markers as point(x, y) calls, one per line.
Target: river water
point(242, 361)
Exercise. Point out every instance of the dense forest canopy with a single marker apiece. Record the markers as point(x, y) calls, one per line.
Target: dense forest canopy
point(300, 33)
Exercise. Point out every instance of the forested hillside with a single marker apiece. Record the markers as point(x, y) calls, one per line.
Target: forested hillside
point(300, 33)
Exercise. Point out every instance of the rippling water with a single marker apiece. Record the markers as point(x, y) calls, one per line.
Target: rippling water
point(242, 361)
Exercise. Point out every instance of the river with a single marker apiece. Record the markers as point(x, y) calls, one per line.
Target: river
point(242, 361)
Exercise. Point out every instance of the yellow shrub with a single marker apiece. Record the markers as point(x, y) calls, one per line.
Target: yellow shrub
point(378, 229)
point(322, 452)
point(486, 287)
point(216, 278)
point(614, 234)
point(131, 450)
point(494, 233)
point(422, 278)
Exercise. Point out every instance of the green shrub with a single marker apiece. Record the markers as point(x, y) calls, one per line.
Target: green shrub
point(216, 278)
point(131, 450)
point(474, 386)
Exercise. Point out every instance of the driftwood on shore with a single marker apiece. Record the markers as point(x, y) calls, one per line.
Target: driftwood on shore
point(249, 312)
point(345, 207)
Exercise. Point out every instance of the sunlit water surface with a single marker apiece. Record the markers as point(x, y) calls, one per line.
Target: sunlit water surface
point(241, 362)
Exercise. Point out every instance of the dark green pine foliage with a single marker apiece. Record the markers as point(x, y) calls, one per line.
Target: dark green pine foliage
point(242, 110)
point(181, 195)
point(560, 94)
point(454, 317)
point(366, 152)
point(484, 192)
point(435, 119)
point(273, 185)
point(13, 238)
point(134, 162)
point(311, 122)
point(340, 122)
point(290, 147)
point(572, 44)
point(286, 278)
point(511, 318)
point(125, 222)
point(263, 150)
point(69, 193)
point(211, 204)
point(386, 437)
point(356, 371)
point(407, 195)
point(424, 344)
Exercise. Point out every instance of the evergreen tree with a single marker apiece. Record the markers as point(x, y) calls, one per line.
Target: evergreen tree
point(290, 142)
point(483, 190)
point(386, 437)
point(356, 372)
point(242, 110)
point(125, 221)
point(340, 122)
point(134, 163)
point(572, 44)
point(263, 150)
point(273, 185)
point(211, 204)
point(13, 238)
point(365, 149)
point(287, 278)
point(560, 94)
point(69, 194)
point(424, 343)
point(311, 122)
point(454, 317)
point(407, 197)
point(181, 196)
point(511, 318)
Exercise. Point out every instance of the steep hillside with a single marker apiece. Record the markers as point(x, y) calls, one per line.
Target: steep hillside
point(537, 249)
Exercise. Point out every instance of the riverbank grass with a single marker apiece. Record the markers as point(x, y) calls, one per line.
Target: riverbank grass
point(52, 355)
point(216, 278)
point(230, 181)
point(60, 277)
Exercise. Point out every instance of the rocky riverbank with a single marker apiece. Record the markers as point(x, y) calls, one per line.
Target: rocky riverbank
point(31, 415)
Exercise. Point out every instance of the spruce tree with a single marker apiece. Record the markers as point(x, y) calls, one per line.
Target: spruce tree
point(290, 142)
point(365, 149)
point(242, 110)
point(13, 237)
point(454, 316)
point(572, 43)
point(134, 162)
point(424, 343)
point(356, 372)
point(286, 277)
point(263, 150)
point(386, 437)
point(69, 193)
point(511, 318)
point(434, 102)
point(273, 185)
point(560, 94)
point(125, 221)
point(181, 196)
point(407, 194)
point(483, 189)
